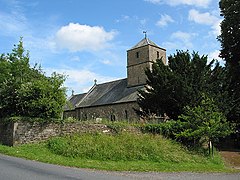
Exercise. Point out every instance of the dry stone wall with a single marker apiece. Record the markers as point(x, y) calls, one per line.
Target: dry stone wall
point(23, 132)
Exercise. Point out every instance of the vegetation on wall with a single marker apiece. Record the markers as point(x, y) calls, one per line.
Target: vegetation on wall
point(26, 90)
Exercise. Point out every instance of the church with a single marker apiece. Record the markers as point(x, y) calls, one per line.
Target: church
point(116, 100)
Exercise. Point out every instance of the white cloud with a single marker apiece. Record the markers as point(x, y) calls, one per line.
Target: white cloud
point(80, 80)
point(179, 40)
point(170, 45)
point(184, 38)
point(77, 37)
point(200, 3)
point(216, 28)
point(164, 20)
point(132, 19)
point(14, 23)
point(84, 76)
point(75, 59)
point(123, 18)
point(215, 55)
point(197, 3)
point(202, 18)
point(181, 35)
point(154, 1)
point(106, 61)
point(205, 19)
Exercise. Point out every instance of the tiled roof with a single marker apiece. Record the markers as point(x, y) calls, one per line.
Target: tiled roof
point(73, 100)
point(144, 42)
point(108, 93)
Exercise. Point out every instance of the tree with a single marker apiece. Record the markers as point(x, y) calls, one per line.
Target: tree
point(230, 52)
point(25, 90)
point(180, 83)
point(203, 123)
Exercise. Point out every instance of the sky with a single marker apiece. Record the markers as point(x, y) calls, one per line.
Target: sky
point(88, 40)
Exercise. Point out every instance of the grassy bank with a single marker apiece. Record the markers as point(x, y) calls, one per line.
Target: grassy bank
point(122, 152)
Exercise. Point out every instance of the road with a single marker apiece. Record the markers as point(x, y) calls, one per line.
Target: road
point(12, 168)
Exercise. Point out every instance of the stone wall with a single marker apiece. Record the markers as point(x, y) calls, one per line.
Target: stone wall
point(114, 112)
point(139, 59)
point(23, 132)
point(157, 53)
point(136, 65)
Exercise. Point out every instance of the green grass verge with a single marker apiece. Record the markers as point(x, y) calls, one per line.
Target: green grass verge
point(122, 152)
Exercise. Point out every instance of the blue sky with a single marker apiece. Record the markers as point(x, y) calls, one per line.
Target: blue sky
point(88, 40)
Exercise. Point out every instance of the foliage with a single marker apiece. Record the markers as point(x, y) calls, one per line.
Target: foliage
point(180, 83)
point(25, 90)
point(198, 125)
point(40, 152)
point(203, 123)
point(122, 147)
point(70, 120)
point(230, 52)
point(166, 129)
point(30, 119)
point(116, 126)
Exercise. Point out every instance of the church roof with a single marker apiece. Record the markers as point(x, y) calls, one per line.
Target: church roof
point(113, 92)
point(73, 100)
point(144, 42)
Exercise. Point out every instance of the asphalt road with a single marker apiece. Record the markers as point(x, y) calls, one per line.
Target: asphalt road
point(12, 168)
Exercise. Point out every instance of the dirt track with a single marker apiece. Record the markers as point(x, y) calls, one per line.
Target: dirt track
point(232, 158)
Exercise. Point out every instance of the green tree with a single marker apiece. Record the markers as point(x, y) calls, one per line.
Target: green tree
point(180, 83)
point(25, 90)
point(203, 123)
point(230, 52)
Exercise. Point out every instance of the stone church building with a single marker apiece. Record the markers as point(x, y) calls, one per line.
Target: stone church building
point(116, 100)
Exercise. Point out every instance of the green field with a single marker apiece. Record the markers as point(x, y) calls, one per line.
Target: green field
point(120, 152)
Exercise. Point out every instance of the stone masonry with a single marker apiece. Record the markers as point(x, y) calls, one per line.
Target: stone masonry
point(18, 133)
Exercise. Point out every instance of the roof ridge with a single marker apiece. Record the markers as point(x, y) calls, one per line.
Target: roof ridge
point(86, 94)
point(147, 40)
point(144, 42)
point(112, 81)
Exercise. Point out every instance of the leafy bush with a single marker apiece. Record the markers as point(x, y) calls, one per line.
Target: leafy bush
point(166, 129)
point(203, 123)
point(26, 90)
point(29, 119)
point(117, 126)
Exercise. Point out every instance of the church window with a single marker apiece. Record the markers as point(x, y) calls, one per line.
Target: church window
point(113, 117)
point(84, 116)
point(137, 54)
point(126, 114)
point(157, 54)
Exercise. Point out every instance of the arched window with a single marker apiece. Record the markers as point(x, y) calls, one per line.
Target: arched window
point(113, 117)
point(126, 114)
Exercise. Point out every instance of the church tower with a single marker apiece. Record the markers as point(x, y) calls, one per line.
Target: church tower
point(140, 57)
